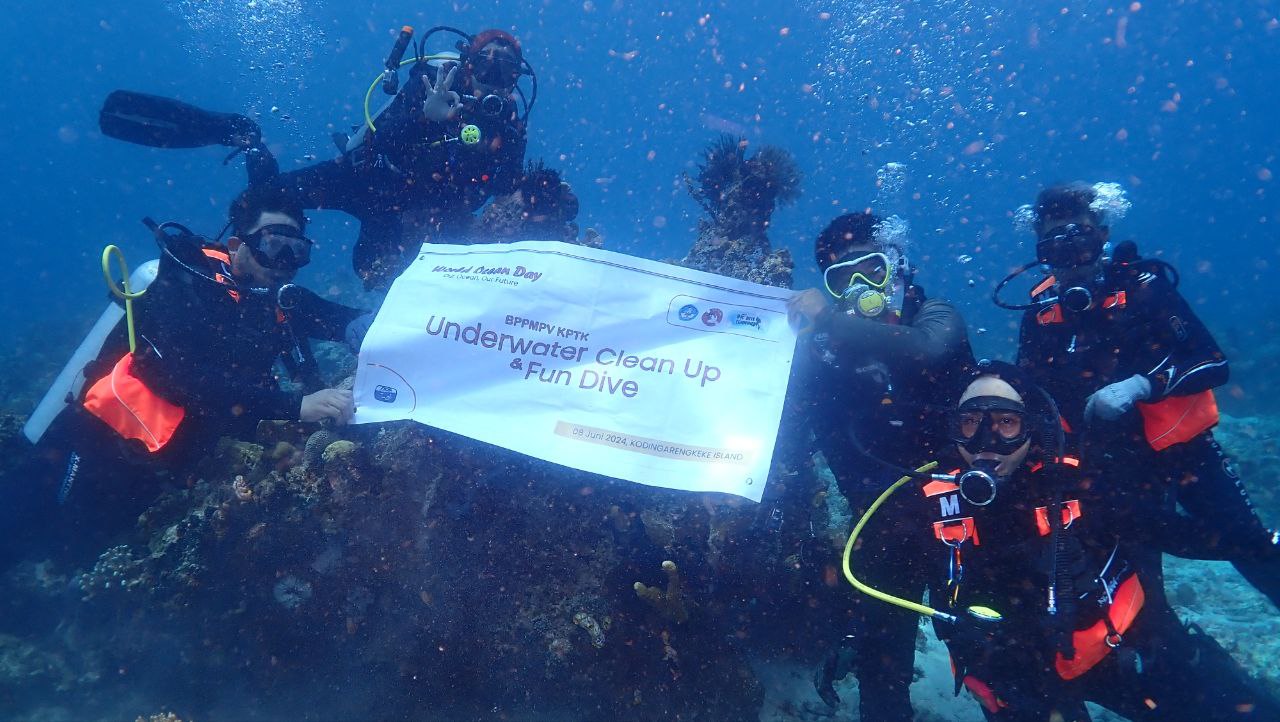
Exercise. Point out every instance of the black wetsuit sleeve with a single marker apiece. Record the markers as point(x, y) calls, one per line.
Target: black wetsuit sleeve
point(322, 319)
point(332, 185)
point(933, 336)
point(1182, 357)
point(221, 392)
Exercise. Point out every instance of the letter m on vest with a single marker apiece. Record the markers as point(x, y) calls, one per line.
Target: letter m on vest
point(950, 505)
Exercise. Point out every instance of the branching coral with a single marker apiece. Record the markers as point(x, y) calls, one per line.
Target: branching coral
point(669, 603)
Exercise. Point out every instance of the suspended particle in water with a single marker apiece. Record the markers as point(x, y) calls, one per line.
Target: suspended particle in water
point(964, 258)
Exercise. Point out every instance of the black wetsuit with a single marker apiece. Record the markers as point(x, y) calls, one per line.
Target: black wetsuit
point(410, 180)
point(881, 383)
point(1104, 570)
point(200, 345)
point(1144, 326)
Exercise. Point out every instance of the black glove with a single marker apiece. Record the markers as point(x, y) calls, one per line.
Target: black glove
point(836, 666)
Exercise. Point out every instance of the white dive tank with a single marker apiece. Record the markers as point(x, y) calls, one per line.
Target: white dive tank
point(66, 388)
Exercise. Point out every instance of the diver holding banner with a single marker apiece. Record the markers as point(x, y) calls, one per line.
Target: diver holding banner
point(195, 360)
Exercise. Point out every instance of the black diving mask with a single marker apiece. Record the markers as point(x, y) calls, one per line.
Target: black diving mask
point(1075, 252)
point(989, 423)
point(1070, 246)
point(496, 69)
point(279, 247)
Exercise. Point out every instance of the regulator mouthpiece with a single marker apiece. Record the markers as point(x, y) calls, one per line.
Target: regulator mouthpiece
point(1077, 299)
point(979, 485)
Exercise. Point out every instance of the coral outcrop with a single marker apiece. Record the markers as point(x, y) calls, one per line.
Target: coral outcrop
point(739, 194)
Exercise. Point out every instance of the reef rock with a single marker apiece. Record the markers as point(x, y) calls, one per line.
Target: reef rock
point(739, 194)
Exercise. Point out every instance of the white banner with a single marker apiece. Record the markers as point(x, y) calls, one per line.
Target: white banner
point(596, 360)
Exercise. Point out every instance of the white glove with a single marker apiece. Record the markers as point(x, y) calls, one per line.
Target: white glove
point(441, 103)
point(1115, 400)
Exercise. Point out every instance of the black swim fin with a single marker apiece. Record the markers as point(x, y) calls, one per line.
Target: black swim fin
point(166, 123)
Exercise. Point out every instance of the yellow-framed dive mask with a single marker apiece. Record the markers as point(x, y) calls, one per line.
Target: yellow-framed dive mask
point(863, 282)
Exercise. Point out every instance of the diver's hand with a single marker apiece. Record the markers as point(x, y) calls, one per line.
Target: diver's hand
point(336, 404)
point(442, 103)
point(805, 307)
point(1115, 400)
point(241, 132)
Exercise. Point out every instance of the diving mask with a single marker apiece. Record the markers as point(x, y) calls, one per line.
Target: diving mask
point(990, 423)
point(1070, 246)
point(496, 67)
point(279, 246)
point(865, 282)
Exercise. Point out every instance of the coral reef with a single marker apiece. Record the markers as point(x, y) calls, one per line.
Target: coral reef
point(670, 602)
point(543, 208)
point(315, 447)
point(739, 195)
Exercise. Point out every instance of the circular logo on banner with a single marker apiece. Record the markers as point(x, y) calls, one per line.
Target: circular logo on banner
point(713, 317)
point(688, 312)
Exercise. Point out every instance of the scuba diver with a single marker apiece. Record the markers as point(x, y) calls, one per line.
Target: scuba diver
point(452, 137)
point(1046, 578)
point(874, 353)
point(195, 361)
point(1108, 334)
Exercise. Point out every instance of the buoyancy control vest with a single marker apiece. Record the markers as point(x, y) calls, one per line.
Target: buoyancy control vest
point(1172, 419)
point(968, 533)
point(125, 402)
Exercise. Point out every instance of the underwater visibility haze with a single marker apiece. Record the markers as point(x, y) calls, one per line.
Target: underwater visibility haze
point(299, 571)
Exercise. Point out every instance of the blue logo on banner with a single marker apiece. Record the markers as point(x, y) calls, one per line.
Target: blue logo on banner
point(688, 312)
point(747, 319)
point(385, 394)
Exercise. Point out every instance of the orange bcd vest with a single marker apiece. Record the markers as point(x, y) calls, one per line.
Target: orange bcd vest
point(1094, 643)
point(1173, 419)
point(1176, 419)
point(123, 402)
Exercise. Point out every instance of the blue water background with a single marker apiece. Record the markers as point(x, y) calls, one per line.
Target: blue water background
point(984, 103)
